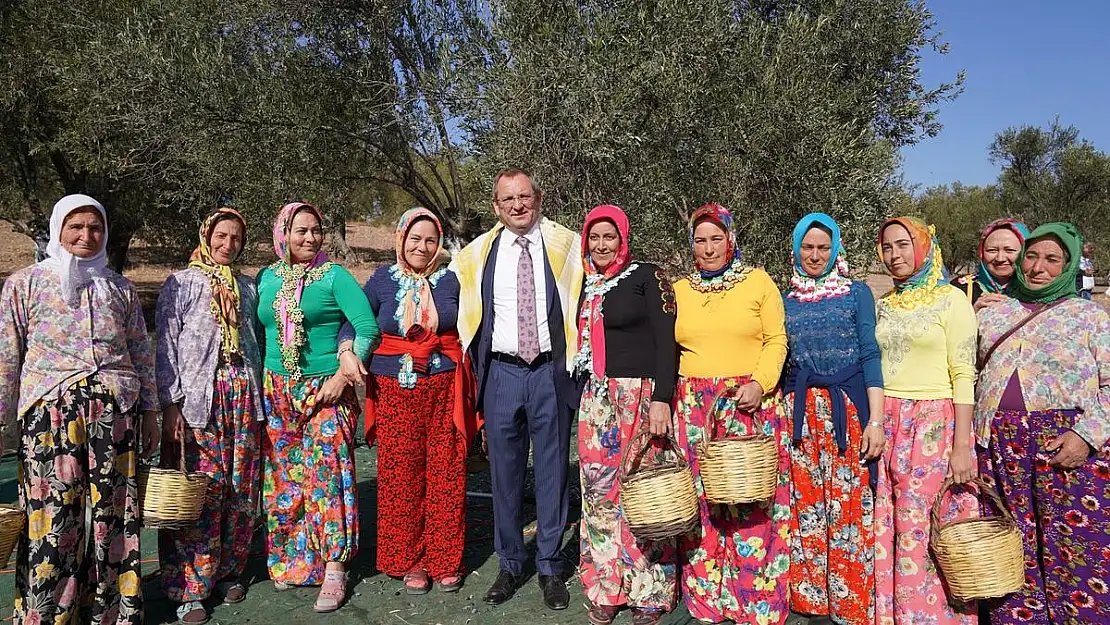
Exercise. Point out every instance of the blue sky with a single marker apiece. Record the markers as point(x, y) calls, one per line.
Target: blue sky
point(1027, 61)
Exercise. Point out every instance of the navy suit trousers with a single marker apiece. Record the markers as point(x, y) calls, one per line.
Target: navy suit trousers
point(521, 406)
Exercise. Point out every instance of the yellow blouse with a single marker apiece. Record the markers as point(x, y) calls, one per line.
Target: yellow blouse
point(741, 331)
point(929, 351)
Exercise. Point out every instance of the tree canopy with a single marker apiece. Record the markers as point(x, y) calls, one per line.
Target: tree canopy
point(773, 109)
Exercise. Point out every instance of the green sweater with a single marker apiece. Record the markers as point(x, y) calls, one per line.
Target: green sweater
point(326, 303)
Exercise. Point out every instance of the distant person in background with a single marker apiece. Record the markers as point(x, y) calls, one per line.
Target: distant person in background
point(1086, 281)
point(999, 251)
point(420, 410)
point(210, 386)
point(77, 373)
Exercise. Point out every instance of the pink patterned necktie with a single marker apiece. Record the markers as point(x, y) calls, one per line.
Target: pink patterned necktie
point(528, 340)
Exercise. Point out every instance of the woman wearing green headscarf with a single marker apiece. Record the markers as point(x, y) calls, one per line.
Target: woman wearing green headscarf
point(1043, 414)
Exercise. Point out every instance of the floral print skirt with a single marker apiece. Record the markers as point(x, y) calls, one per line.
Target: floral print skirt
point(1064, 517)
point(909, 590)
point(421, 477)
point(738, 558)
point(308, 481)
point(77, 460)
point(193, 560)
point(616, 568)
point(832, 545)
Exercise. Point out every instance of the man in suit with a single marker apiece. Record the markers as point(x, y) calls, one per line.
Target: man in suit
point(524, 277)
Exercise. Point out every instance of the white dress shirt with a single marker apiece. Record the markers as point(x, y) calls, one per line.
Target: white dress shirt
point(505, 334)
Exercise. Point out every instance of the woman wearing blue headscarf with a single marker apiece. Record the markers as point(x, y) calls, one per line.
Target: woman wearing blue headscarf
point(999, 249)
point(834, 383)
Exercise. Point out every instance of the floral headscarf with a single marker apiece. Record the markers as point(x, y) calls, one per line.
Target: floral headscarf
point(928, 265)
point(731, 273)
point(415, 305)
point(985, 278)
point(835, 280)
point(222, 279)
point(591, 323)
point(294, 278)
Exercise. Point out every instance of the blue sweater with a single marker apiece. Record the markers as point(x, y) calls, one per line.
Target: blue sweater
point(828, 336)
point(381, 291)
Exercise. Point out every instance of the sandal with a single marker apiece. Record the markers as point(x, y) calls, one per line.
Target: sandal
point(451, 583)
point(282, 586)
point(192, 613)
point(602, 614)
point(646, 616)
point(233, 590)
point(417, 581)
point(333, 592)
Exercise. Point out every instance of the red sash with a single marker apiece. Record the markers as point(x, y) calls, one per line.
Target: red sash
point(466, 419)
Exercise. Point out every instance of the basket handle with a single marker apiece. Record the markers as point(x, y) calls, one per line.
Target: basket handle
point(180, 442)
point(730, 392)
point(935, 524)
point(638, 446)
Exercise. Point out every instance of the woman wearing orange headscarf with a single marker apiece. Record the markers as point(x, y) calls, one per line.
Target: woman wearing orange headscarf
point(419, 407)
point(926, 331)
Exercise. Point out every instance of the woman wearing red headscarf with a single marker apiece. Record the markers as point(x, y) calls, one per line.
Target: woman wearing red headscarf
point(420, 410)
point(731, 338)
point(627, 350)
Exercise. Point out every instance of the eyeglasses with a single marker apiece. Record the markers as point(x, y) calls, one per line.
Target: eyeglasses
point(524, 198)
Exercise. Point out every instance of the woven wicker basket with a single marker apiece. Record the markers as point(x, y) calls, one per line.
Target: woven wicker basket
point(658, 501)
point(738, 469)
point(171, 498)
point(12, 520)
point(981, 558)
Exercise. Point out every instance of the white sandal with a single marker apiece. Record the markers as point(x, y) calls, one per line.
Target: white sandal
point(333, 592)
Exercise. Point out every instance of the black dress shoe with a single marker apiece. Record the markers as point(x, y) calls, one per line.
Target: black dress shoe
point(503, 589)
point(555, 593)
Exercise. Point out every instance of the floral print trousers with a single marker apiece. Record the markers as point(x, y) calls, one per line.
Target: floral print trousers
point(78, 456)
point(308, 484)
point(909, 590)
point(421, 477)
point(193, 560)
point(616, 568)
point(1064, 518)
point(832, 544)
point(738, 558)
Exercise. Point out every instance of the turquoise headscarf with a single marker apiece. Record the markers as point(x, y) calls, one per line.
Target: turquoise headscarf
point(986, 279)
point(800, 230)
point(1064, 284)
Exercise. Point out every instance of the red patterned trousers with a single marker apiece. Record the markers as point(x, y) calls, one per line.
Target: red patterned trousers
point(421, 477)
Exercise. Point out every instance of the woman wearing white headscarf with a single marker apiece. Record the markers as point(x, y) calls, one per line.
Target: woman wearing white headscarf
point(76, 371)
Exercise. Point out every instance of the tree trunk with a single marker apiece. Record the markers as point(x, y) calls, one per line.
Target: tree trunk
point(119, 242)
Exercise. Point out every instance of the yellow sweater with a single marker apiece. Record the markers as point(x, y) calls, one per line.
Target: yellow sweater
point(929, 351)
point(741, 331)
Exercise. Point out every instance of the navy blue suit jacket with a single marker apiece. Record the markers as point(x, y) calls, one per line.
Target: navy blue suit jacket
point(481, 349)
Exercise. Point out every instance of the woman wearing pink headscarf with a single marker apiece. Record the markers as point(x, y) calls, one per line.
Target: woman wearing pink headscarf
point(627, 352)
point(308, 484)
